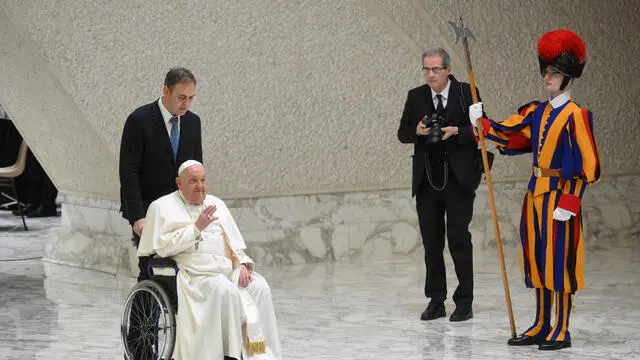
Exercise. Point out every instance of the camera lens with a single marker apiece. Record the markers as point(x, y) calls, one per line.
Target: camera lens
point(435, 135)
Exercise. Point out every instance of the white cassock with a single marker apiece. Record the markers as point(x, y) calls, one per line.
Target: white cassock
point(212, 309)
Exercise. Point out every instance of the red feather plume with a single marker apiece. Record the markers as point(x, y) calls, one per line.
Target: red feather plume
point(554, 43)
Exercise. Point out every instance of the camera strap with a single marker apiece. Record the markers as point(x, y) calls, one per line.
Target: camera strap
point(445, 171)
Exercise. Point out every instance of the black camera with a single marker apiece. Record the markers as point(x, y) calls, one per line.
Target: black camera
point(435, 123)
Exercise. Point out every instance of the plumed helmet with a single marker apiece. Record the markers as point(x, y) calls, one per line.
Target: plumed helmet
point(564, 50)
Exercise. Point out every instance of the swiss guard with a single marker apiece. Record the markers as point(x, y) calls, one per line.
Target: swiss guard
point(566, 160)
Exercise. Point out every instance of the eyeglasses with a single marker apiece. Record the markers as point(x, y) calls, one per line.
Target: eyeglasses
point(436, 70)
point(551, 71)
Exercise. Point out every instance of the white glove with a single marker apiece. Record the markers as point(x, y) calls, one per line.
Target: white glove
point(475, 112)
point(562, 214)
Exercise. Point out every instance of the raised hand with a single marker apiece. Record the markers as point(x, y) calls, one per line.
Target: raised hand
point(206, 217)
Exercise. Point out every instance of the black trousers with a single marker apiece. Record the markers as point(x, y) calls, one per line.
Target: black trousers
point(10, 140)
point(34, 185)
point(143, 261)
point(456, 203)
point(40, 190)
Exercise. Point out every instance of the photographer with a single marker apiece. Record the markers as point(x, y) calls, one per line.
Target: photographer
point(445, 177)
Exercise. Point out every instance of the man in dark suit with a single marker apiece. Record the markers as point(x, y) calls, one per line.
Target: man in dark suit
point(156, 139)
point(445, 177)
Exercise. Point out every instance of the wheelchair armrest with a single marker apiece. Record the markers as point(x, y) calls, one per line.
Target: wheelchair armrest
point(162, 267)
point(164, 271)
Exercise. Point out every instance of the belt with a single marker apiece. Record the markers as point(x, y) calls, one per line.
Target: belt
point(539, 172)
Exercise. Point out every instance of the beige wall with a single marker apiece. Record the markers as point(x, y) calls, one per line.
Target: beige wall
point(295, 96)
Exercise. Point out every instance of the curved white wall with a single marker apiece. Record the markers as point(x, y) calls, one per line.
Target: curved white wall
point(295, 96)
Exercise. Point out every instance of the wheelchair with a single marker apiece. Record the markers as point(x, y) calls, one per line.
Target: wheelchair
point(148, 324)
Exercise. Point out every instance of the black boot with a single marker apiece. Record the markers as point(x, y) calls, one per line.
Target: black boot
point(524, 340)
point(433, 311)
point(555, 345)
point(537, 333)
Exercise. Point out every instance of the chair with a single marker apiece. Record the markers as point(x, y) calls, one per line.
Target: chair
point(152, 305)
point(9, 173)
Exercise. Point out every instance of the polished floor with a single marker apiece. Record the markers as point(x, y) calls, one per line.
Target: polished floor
point(358, 310)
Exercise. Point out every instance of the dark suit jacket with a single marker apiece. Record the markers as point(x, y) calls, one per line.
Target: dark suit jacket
point(147, 168)
point(461, 149)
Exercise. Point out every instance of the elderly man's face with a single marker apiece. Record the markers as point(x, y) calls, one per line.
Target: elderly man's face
point(434, 73)
point(193, 184)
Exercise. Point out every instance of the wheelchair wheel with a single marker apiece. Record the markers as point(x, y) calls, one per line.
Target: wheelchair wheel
point(148, 326)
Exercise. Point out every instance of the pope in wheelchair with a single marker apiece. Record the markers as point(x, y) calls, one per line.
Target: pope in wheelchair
point(225, 307)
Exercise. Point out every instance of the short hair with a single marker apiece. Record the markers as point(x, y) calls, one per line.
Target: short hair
point(438, 51)
point(179, 75)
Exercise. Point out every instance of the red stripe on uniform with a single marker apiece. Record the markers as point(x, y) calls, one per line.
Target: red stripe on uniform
point(587, 125)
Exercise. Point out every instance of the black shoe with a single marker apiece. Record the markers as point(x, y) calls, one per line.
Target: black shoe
point(554, 345)
point(525, 340)
point(43, 211)
point(25, 209)
point(461, 313)
point(433, 311)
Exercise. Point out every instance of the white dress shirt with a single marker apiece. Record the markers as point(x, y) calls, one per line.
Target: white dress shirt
point(445, 96)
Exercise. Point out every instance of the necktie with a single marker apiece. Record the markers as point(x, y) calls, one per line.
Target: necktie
point(174, 137)
point(440, 107)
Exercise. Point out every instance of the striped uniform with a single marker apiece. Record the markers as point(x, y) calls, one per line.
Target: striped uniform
point(560, 139)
